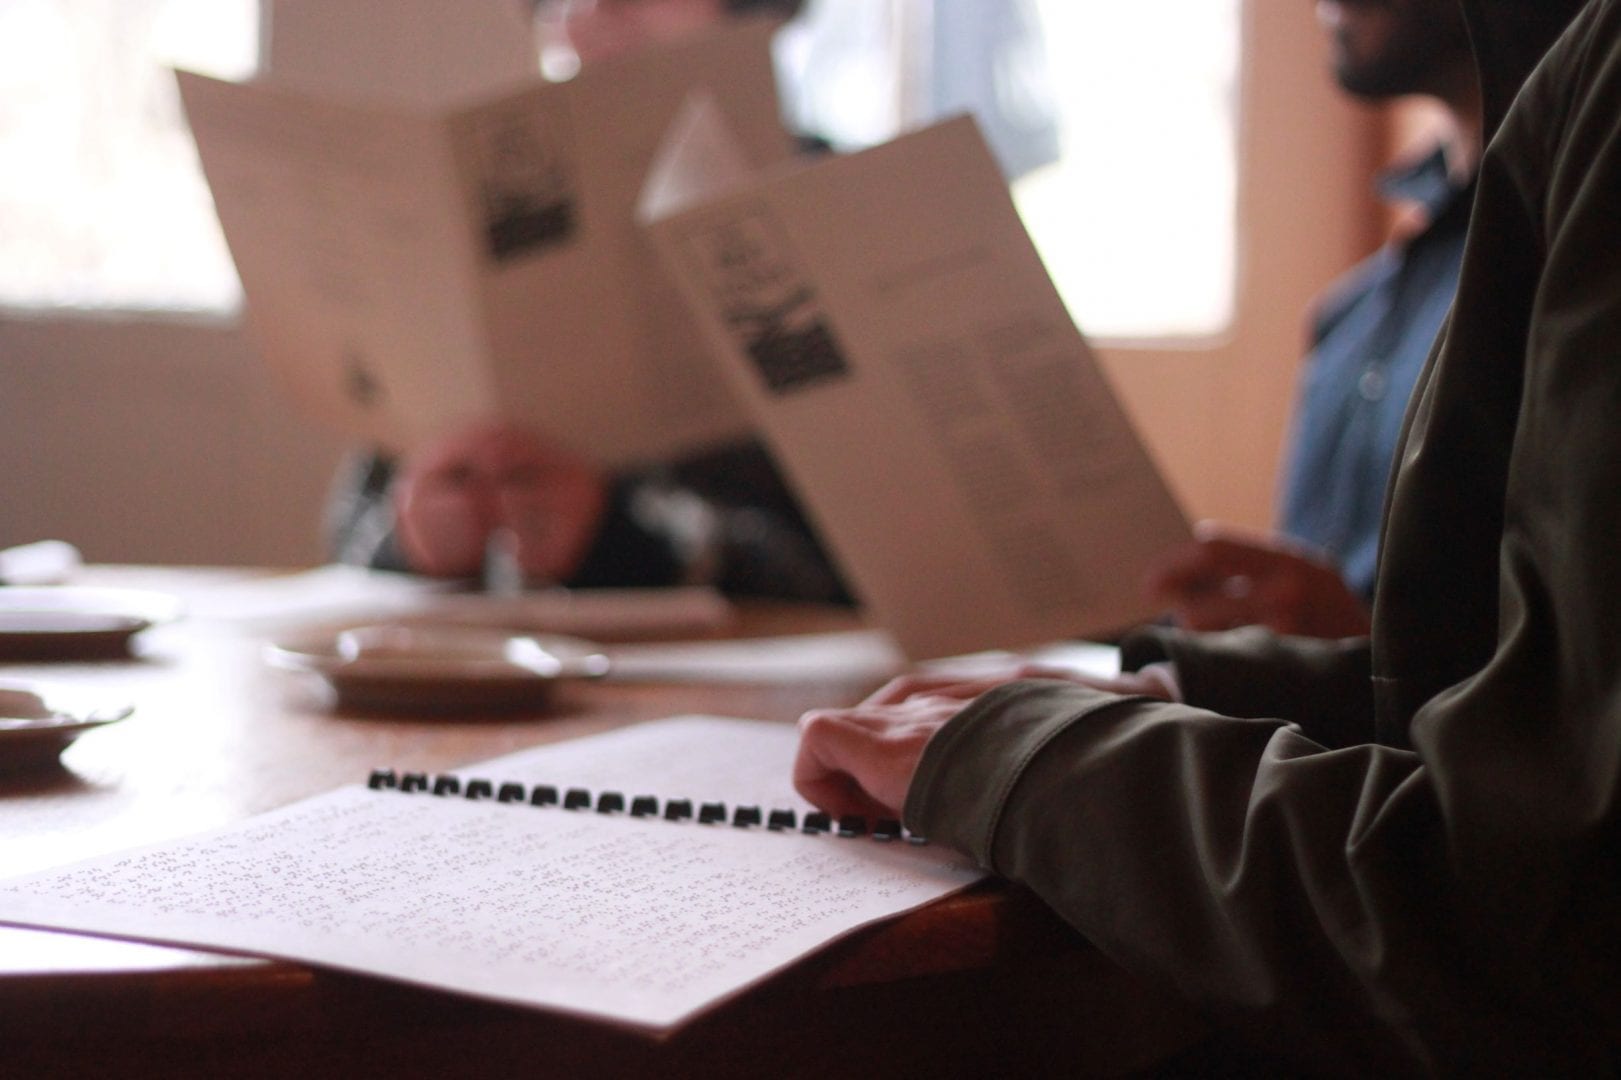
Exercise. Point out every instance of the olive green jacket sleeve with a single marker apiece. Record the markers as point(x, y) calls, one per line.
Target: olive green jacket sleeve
point(1233, 859)
point(1324, 686)
point(1444, 896)
point(1305, 896)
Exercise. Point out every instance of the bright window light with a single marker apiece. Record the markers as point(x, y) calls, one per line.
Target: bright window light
point(102, 203)
point(1137, 220)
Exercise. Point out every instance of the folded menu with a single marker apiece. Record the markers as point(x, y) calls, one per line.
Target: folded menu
point(887, 321)
point(639, 877)
point(407, 267)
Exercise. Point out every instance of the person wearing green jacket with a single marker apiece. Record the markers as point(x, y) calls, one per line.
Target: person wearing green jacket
point(1392, 855)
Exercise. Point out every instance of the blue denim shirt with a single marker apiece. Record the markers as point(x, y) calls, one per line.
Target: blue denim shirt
point(1372, 336)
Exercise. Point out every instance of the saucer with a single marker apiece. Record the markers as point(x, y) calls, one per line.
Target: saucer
point(37, 723)
point(67, 622)
point(399, 668)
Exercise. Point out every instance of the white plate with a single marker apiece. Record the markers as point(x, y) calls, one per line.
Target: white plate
point(68, 622)
point(395, 667)
point(37, 723)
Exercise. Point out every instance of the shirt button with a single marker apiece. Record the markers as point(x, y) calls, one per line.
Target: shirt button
point(1372, 385)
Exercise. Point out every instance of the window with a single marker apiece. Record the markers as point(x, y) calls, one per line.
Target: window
point(102, 204)
point(1116, 122)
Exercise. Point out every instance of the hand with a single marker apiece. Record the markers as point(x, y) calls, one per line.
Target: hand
point(861, 760)
point(449, 496)
point(1227, 578)
point(607, 29)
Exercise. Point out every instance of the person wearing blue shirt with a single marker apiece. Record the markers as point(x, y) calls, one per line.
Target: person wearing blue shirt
point(1373, 331)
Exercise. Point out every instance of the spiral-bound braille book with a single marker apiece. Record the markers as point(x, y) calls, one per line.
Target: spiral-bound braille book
point(639, 876)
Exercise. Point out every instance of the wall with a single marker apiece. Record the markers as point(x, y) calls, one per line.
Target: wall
point(154, 440)
point(1216, 412)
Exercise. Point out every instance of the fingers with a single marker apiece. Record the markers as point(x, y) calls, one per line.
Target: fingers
point(960, 687)
point(1214, 608)
point(1211, 559)
point(833, 757)
point(911, 684)
point(861, 761)
point(451, 493)
point(441, 523)
point(556, 522)
point(1230, 577)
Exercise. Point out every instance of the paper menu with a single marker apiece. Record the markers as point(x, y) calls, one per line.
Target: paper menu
point(639, 921)
point(408, 268)
point(901, 347)
point(405, 52)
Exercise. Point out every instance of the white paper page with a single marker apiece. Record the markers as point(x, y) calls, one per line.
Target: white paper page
point(348, 231)
point(852, 656)
point(403, 52)
point(1074, 657)
point(590, 342)
point(698, 160)
point(351, 594)
point(326, 593)
point(633, 920)
point(407, 271)
point(602, 614)
point(718, 758)
point(902, 348)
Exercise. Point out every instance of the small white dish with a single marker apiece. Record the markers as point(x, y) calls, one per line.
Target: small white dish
point(443, 669)
point(37, 723)
point(69, 622)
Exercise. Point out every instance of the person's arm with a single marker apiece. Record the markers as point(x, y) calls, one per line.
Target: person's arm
point(1278, 883)
point(1454, 907)
point(1325, 686)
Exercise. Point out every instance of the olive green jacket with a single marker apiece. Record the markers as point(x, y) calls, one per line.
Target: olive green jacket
point(1396, 855)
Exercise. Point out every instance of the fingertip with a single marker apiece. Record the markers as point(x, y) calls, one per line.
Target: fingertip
point(811, 718)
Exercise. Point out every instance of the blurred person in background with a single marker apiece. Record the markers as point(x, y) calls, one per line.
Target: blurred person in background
point(1390, 856)
point(1372, 333)
point(724, 517)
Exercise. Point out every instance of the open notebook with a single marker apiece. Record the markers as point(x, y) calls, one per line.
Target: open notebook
point(644, 919)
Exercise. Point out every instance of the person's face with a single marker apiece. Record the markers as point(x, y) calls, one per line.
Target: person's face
point(1385, 48)
point(602, 28)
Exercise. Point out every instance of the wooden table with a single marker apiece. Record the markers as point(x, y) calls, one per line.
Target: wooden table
point(985, 982)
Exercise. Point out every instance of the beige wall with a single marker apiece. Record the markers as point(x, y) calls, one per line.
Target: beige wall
point(1216, 412)
point(154, 441)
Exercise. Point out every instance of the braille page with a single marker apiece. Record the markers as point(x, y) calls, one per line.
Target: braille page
point(721, 759)
point(639, 921)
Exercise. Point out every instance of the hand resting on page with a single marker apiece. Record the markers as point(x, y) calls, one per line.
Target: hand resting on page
point(860, 760)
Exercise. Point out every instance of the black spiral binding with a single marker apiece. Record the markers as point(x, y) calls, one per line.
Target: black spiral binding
point(642, 806)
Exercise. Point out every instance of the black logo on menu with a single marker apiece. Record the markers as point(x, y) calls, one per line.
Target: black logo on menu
point(767, 302)
point(525, 194)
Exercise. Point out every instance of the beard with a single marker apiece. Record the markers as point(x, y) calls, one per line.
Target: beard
point(1424, 42)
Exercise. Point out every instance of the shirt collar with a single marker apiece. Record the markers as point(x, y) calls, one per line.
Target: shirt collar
point(1425, 182)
